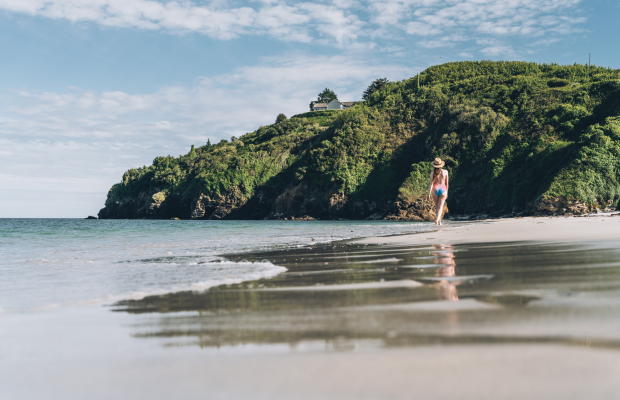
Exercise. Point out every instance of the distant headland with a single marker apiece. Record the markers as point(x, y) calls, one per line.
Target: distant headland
point(518, 139)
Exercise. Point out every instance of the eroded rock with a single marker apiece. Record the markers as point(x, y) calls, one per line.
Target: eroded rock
point(418, 210)
point(217, 206)
point(559, 206)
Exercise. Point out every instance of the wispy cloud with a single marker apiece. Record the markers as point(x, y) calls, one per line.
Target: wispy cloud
point(297, 22)
point(340, 23)
point(94, 137)
point(458, 20)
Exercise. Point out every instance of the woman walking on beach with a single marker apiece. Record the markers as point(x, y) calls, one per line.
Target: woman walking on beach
point(438, 187)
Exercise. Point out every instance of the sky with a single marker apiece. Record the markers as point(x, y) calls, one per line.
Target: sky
point(91, 88)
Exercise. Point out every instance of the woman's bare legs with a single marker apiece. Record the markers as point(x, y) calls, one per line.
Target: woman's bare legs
point(436, 202)
point(439, 201)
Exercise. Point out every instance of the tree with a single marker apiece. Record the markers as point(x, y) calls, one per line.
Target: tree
point(375, 86)
point(326, 96)
point(192, 152)
point(280, 118)
point(312, 105)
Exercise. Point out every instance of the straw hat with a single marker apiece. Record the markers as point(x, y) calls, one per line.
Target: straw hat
point(438, 163)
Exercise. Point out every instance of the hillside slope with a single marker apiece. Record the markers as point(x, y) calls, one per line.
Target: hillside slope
point(517, 137)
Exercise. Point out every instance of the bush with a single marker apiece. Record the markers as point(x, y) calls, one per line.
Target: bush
point(557, 82)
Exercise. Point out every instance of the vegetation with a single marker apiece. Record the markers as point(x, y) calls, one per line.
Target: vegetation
point(511, 133)
point(375, 86)
point(326, 96)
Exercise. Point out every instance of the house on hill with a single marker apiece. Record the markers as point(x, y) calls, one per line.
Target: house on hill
point(334, 105)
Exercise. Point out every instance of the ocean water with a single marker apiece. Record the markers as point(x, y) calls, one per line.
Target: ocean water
point(47, 264)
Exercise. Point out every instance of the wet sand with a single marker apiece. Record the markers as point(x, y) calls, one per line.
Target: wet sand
point(433, 372)
point(494, 310)
point(496, 320)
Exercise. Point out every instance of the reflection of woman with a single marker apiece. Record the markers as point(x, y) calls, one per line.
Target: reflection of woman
point(438, 188)
point(446, 289)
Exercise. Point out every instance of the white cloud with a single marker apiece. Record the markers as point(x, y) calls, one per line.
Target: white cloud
point(80, 141)
point(446, 41)
point(473, 18)
point(545, 42)
point(341, 23)
point(219, 20)
point(498, 50)
point(421, 29)
point(334, 22)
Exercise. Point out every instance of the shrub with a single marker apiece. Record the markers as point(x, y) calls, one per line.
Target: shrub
point(557, 82)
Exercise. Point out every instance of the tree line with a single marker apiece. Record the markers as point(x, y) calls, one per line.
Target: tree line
point(328, 95)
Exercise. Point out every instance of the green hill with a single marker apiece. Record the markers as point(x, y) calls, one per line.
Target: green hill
point(517, 138)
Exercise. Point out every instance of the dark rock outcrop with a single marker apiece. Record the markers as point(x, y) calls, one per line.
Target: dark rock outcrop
point(217, 206)
point(419, 210)
point(558, 206)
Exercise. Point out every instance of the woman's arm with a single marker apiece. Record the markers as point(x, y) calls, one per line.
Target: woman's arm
point(430, 187)
point(447, 182)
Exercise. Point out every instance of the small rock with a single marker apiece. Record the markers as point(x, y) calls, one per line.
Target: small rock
point(90, 217)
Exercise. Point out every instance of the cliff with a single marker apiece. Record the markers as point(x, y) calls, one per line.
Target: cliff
point(517, 138)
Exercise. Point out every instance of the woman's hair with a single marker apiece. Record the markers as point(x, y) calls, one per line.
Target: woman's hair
point(436, 174)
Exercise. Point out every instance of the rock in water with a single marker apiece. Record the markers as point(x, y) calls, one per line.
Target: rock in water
point(90, 217)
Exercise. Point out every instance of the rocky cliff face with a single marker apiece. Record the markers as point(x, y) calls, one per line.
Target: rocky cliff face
point(298, 202)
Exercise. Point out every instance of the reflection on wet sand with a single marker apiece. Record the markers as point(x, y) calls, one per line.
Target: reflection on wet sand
point(345, 296)
point(445, 257)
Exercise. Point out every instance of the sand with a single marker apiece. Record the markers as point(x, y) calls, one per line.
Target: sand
point(546, 229)
point(450, 372)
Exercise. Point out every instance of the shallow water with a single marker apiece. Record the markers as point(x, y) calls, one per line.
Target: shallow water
point(51, 263)
point(344, 294)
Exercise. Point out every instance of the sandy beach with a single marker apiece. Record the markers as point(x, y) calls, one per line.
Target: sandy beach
point(542, 229)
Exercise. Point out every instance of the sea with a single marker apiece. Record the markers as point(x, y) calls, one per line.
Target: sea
point(47, 264)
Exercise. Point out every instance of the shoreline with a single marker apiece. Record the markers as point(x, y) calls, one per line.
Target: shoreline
point(520, 229)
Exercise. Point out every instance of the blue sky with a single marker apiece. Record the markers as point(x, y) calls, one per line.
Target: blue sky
point(90, 88)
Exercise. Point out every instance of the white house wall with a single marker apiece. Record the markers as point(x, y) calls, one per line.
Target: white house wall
point(334, 105)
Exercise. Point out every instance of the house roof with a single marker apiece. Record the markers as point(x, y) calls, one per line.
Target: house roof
point(348, 103)
point(320, 104)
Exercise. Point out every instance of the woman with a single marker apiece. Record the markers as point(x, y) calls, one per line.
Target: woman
point(438, 187)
